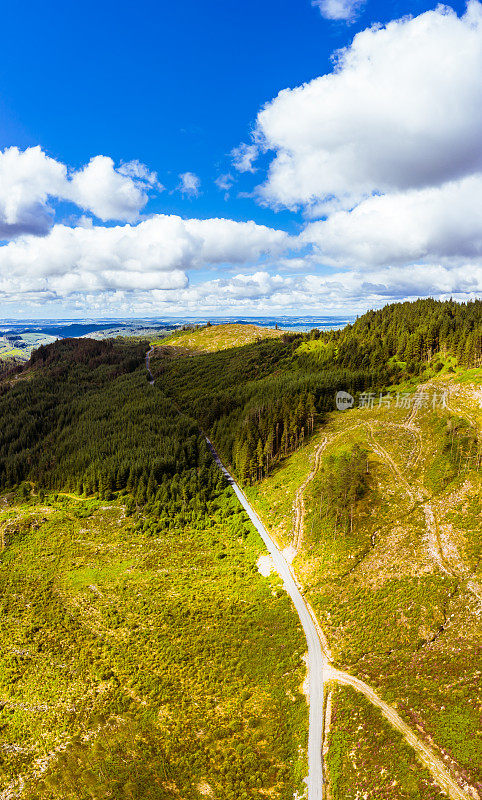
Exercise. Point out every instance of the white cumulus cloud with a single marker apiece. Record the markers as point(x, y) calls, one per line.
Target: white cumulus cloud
point(105, 192)
point(153, 255)
point(263, 292)
point(401, 110)
point(30, 181)
point(434, 223)
point(27, 180)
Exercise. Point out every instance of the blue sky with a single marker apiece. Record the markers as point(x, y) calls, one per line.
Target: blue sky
point(178, 86)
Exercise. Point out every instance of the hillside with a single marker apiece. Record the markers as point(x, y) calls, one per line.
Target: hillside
point(142, 653)
point(212, 338)
point(135, 586)
point(387, 534)
point(380, 506)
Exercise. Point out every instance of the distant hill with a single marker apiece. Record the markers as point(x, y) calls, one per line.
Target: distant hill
point(212, 338)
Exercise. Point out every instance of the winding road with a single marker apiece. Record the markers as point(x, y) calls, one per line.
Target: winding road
point(148, 358)
point(320, 668)
point(315, 653)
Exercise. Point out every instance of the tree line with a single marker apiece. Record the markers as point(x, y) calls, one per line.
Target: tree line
point(259, 402)
point(81, 417)
point(411, 332)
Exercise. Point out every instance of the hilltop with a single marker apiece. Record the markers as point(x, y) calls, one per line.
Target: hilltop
point(212, 338)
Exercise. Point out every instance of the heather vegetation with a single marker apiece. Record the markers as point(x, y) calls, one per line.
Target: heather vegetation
point(366, 758)
point(143, 655)
point(398, 588)
point(143, 665)
point(211, 338)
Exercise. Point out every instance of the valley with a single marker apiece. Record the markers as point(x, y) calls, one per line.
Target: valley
point(145, 650)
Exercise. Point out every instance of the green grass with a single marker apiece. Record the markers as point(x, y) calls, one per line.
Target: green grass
point(367, 758)
point(158, 663)
point(469, 376)
point(391, 615)
point(218, 337)
point(83, 577)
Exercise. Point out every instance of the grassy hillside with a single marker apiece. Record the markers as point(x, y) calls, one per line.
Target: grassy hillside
point(394, 573)
point(219, 337)
point(142, 653)
point(382, 504)
point(367, 758)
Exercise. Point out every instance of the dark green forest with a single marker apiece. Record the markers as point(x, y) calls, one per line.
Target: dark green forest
point(259, 402)
point(410, 332)
point(81, 416)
